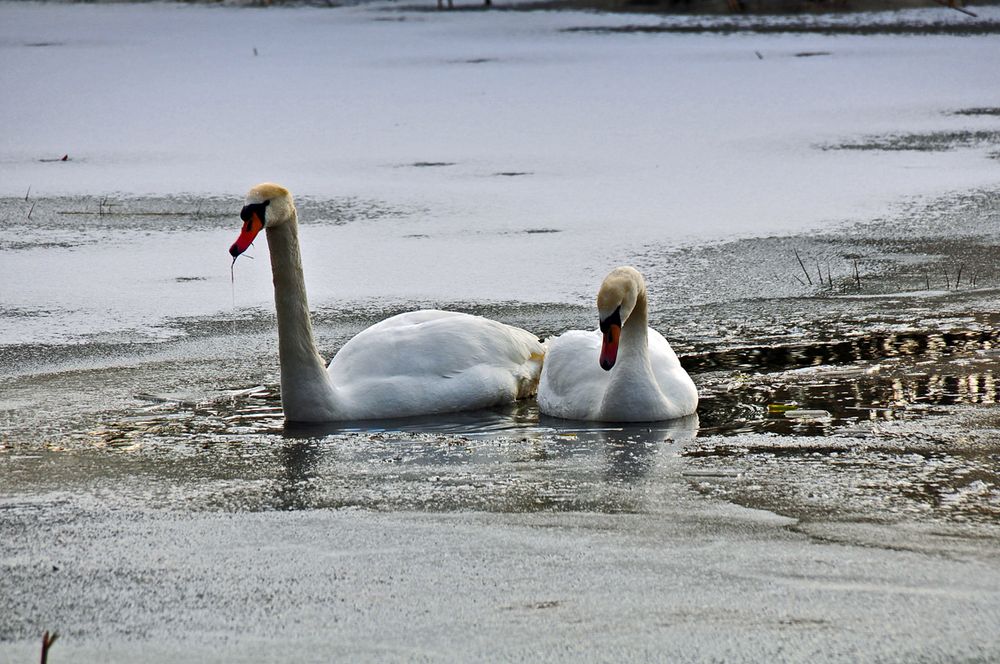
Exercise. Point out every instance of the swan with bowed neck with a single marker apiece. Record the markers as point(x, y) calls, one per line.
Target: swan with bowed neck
point(417, 363)
point(624, 372)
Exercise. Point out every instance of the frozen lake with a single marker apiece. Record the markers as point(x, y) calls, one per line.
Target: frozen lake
point(153, 506)
point(446, 142)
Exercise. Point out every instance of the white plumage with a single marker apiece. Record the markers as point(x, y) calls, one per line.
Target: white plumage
point(417, 363)
point(646, 382)
point(432, 361)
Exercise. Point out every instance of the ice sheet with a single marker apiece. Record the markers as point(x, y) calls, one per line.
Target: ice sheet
point(619, 142)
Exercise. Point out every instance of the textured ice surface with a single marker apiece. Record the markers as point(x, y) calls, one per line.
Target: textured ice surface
point(622, 141)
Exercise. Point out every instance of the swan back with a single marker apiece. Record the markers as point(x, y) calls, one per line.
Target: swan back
point(432, 361)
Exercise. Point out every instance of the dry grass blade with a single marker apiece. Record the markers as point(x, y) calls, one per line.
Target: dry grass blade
point(803, 265)
point(47, 641)
point(953, 4)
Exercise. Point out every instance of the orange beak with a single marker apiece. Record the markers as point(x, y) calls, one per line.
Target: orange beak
point(252, 225)
point(609, 347)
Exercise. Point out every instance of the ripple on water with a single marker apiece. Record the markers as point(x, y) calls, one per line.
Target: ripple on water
point(235, 453)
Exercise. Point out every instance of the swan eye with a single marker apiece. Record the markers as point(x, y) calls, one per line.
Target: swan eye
point(614, 319)
point(248, 212)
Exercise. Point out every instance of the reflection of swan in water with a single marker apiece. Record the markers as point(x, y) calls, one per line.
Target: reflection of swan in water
point(416, 363)
point(631, 451)
point(299, 459)
point(514, 464)
point(518, 418)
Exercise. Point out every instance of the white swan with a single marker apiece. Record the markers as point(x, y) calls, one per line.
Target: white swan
point(417, 363)
point(625, 372)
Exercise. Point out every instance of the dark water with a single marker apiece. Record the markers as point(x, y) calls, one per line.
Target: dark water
point(886, 438)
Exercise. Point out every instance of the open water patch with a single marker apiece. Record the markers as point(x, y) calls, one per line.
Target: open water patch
point(874, 376)
point(893, 444)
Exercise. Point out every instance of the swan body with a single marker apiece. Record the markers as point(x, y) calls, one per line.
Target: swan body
point(624, 372)
point(417, 363)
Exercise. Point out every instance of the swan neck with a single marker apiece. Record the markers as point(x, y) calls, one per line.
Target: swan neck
point(305, 384)
point(635, 332)
point(290, 298)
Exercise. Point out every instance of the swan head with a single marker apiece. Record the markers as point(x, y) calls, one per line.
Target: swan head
point(267, 205)
point(615, 303)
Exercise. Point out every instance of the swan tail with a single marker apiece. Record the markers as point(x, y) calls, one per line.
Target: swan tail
point(527, 384)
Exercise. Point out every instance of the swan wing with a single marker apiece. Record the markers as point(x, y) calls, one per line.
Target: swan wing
point(674, 382)
point(431, 361)
point(573, 384)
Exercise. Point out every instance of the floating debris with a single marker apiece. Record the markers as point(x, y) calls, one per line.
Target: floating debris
point(808, 414)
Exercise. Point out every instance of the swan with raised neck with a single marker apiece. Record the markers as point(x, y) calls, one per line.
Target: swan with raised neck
point(416, 363)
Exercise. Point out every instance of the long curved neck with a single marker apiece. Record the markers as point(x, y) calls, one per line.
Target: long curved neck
point(306, 392)
point(632, 389)
point(634, 343)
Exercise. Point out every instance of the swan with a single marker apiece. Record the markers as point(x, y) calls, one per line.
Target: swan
point(416, 363)
point(624, 372)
